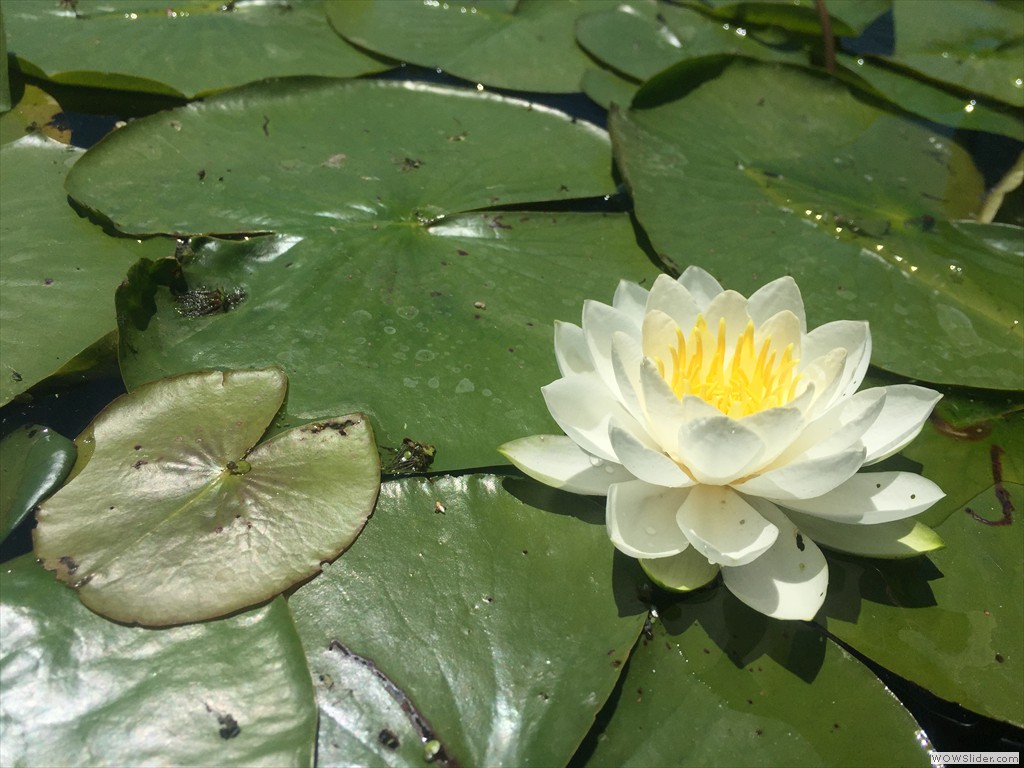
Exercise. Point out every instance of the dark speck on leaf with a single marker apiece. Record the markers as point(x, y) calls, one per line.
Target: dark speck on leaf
point(33, 432)
point(495, 223)
point(388, 739)
point(201, 173)
point(69, 562)
point(462, 252)
point(772, 174)
point(138, 464)
point(411, 164)
point(999, 658)
point(617, 663)
point(138, 447)
point(229, 727)
point(563, 188)
point(435, 294)
point(800, 542)
point(15, 376)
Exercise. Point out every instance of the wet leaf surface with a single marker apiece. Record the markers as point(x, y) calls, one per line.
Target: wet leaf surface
point(448, 594)
point(952, 621)
point(188, 48)
point(525, 46)
point(853, 202)
point(79, 689)
point(34, 460)
point(386, 289)
point(59, 271)
point(750, 691)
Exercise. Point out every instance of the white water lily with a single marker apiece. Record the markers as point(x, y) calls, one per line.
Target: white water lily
point(729, 439)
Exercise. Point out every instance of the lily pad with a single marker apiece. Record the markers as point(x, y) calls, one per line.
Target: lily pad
point(641, 39)
point(58, 272)
point(189, 48)
point(852, 201)
point(443, 623)
point(34, 460)
point(931, 100)
point(526, 45)
point(387, 286)
point(185, 519)
point(80, 690)
point(974, 45)
point(849, 17)
point(714, 683)
point(952, 622)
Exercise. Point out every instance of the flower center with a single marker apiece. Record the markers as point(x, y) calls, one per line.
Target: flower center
point(748, 380)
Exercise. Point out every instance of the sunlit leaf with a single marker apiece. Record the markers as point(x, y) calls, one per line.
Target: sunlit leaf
point(852, 201)
point(977, 46)
point(187, 48)
point(953, 621)
point(186, 520)
point(58, 271)
point(34, 460)
point(497, 610)
point(717, 684)
point(388, 288)
point(81, 690)
point(526, 45)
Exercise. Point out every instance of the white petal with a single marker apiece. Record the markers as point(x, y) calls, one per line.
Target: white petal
point(723, 526)
point(672, 298)
point(600, 322)
point(718, 450)
point(906, 409)
point(774, 297)
point(626, 361)
point(839, 429)
point(777, 428)
point(684, 572)
point(784, 329)
point(663, 409)
point(896, 539)
point(731, 307)
point(638, 453)
point(702, 286)
point(631, 299)
point(826, 375)
point(557, 461)
point(804, 479)
point(571, 351)
point(641, 519)
point(658, 335)
point(789, 581)
point(851, 335)
point(872, 497)
point(581, 405)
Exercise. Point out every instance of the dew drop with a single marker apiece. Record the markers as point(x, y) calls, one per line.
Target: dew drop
point(595, 461)
point(650, 530)
point(956, 272)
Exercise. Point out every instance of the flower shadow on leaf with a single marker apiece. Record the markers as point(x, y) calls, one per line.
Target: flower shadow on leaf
point(902, 583)
point(744, 635)
point(630, 586)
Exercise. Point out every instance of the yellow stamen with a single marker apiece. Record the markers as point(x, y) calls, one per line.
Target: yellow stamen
point(749, 380)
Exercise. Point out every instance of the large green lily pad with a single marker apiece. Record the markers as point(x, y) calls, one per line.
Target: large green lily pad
point(58, 272)
point(388, 287)
point(849, 17)
point(81, 690)
point(952, 622)
point(715, 684)
point(977, 46)
point(496, 610)
point(526, 45)
point(186, 48)
point(852, 201)
point(172, 516)
point(34, 460)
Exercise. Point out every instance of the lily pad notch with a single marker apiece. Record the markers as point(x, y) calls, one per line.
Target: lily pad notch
point(173, 516)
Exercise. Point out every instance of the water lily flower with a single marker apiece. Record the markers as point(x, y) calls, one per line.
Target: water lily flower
point(729, 439)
